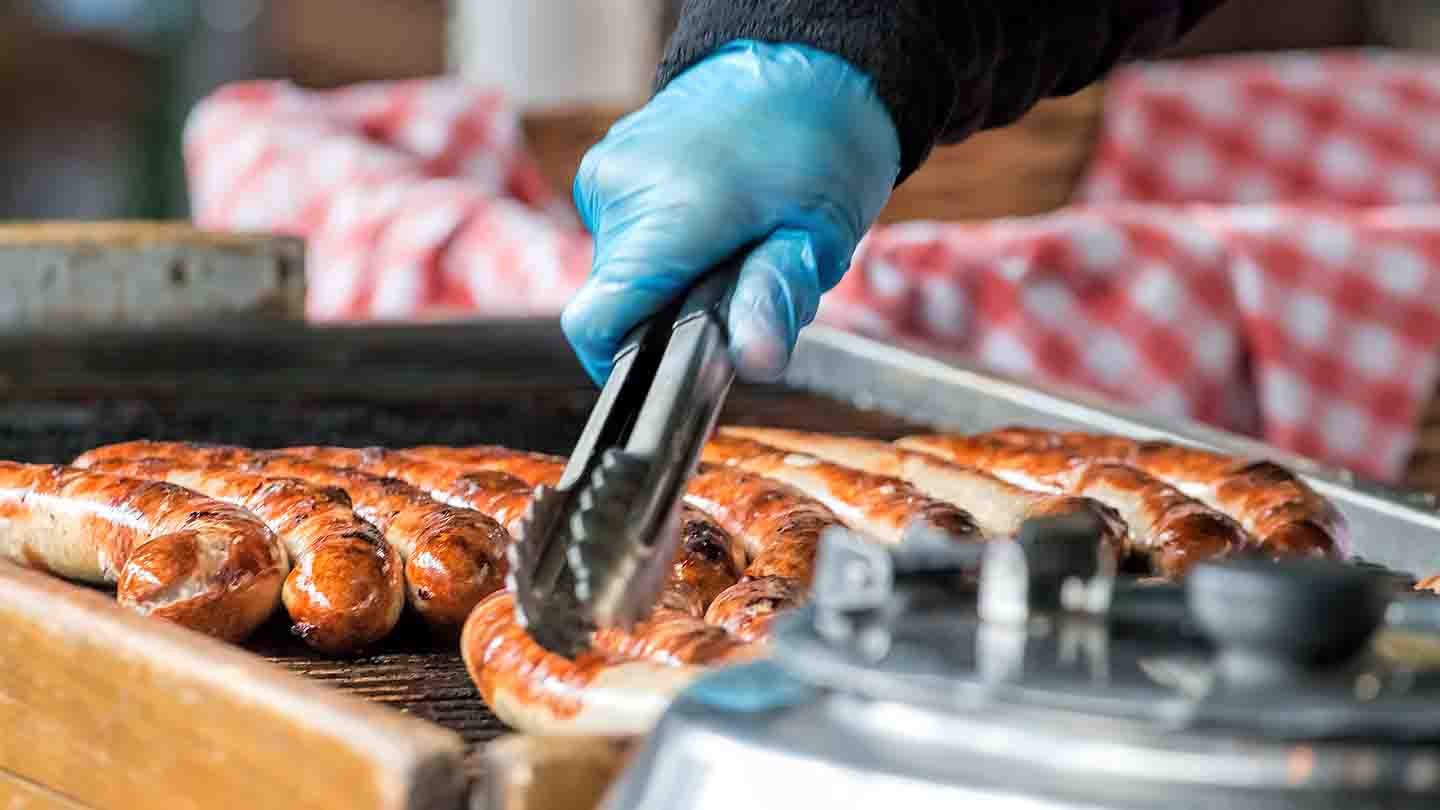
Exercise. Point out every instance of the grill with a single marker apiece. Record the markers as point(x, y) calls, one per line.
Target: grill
point(517, 384)
point(510, 384)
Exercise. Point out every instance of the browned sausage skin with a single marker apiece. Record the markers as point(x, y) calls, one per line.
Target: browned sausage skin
point(453, 557)
point(171, 552)
point(747, 609)
point(601, 691)
point(777, 526)
point(346, 589)
point(1272, 503)
point(536, 469)
point(999, 506)
point(707, 560)
point(500, 495)
point(884, 508)
point(1175, 530)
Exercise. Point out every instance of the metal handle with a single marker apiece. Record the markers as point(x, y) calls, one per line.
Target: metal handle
point(679, 409)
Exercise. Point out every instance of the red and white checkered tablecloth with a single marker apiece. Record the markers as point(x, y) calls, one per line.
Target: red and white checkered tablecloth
point(1316, 327)
point(1346, 128)
point(417, 198)
point(1319, 332)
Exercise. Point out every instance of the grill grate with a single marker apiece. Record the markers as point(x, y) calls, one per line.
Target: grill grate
point(409, 671)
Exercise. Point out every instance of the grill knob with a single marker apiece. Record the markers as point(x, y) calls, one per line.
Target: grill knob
point(1274, 623)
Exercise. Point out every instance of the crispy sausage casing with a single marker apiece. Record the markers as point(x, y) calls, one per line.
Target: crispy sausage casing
point(535, 469)
point(600, 692)
point(999, 506)
point(453, 557)
point(748, 608)
point(172, 553)
point(346, 589)
point(502, 496)
point(1272, 503)
point(707, 559)
point(1175, 531)
point(777, 526)
point(885, 508)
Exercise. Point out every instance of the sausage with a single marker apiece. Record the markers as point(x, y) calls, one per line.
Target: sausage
point(747, 609)
point(538, 692)
point(670, 637)
point(998, 506)
point(172, 553)
point(346, 589)
point(707, 560)
point(535, 469)
point(882, 507)
point(215, 454)
point(1173, 529)
point(1272, 503)
point(683, 598)
point(778, 527)
point(453, 557)
point(502, 496)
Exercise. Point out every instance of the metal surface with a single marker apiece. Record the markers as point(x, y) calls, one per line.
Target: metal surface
point(594, 553)
point(924, 701)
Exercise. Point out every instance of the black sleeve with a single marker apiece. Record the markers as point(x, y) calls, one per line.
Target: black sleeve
point(947, 68)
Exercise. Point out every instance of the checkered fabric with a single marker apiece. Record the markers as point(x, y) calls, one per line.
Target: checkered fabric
point(1348, 128)
point(417, 198)
point(1317, 331)
point(1313, 326)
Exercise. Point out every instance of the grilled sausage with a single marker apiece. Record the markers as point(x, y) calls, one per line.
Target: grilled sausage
point(539, 692)
point(674, 638)
point(535, 469)
point(502, 496)
point(707, 559)
point(171, 552)
point(998, 506)
point(346, 589)
point(1272, 503)
point(453, 557)
point(747, 609)
point(682, 598)
point(882, 507)
point(1175, 530)
point(777, 526)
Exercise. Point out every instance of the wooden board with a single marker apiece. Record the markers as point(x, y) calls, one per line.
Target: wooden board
point(118, 711)
point(56, 277)
point(548, 773)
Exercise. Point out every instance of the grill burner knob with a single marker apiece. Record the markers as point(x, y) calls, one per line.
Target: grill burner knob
point(1276, 623)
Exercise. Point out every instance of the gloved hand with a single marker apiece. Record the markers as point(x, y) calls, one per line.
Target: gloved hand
point(780, 149)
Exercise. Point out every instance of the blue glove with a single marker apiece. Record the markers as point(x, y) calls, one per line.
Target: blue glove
point(780, 149)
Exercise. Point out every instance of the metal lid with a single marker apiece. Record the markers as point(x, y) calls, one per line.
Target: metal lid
point(1275, 675)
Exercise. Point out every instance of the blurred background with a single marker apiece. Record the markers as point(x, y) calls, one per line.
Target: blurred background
point(96, 90)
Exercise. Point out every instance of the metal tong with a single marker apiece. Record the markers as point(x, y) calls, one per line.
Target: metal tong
point(594, 551)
